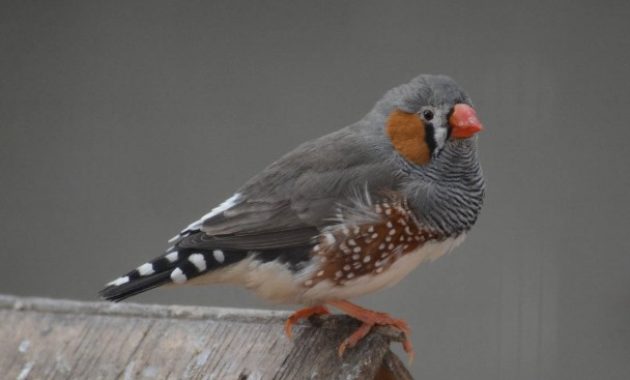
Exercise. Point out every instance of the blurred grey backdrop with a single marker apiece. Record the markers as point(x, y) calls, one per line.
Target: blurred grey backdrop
point(121, 122)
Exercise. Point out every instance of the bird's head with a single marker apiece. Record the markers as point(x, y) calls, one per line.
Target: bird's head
point(426, 116)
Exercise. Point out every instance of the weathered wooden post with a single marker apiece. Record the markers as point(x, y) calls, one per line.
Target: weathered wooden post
point(60, 339)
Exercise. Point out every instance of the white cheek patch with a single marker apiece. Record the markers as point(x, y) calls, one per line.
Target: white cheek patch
point(440, 134)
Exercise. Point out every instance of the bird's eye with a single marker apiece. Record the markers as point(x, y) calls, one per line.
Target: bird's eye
point(427, 115)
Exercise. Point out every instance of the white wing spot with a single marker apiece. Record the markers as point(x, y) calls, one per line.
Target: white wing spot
point(231, 201)
point(172, 257)
point(367, 259)
point(146, 269)
point(218, 255)
point(178, 276)
point(199, 261)
point(119, 281)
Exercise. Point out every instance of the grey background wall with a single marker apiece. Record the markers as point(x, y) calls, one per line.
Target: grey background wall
point(122, 122)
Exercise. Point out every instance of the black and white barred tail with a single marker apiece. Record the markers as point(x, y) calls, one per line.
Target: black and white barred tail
point(173, 267)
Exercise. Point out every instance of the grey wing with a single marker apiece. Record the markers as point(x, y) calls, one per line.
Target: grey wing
point(288, 203)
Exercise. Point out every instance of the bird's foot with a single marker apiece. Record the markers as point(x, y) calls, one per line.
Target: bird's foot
point(370, 319)
point(303, 314)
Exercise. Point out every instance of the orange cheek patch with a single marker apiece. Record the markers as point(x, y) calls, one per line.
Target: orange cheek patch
point(407, 133)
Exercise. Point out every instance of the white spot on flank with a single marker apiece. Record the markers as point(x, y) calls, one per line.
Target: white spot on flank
point(172, 257)
point(367, 259)
point(320, 273)
point(357, 249)
point(199, 261)
point(178, 276)
point(338, 274)
point(346, 267)
point(371, 229)
point(146, 269)
point(351, 242)
point(119, 281)
point(329, 238)
point(218, 255)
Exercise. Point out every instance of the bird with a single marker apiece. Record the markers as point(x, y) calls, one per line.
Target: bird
point(340, 216)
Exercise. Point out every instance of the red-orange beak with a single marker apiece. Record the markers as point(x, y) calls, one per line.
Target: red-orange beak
point(464, 121)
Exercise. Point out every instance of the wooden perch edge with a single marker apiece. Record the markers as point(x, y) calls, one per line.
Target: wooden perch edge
point(61, 339)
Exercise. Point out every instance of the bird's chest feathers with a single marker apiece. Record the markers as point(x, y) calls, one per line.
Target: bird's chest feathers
point(407, 133)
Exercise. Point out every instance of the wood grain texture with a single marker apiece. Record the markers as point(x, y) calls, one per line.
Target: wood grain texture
point(59, 339)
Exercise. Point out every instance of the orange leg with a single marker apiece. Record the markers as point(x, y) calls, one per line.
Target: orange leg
point(370, 319)
point(303, 314)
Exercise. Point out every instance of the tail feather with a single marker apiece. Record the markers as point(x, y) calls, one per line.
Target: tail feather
point(118, 293)
point(172, 267)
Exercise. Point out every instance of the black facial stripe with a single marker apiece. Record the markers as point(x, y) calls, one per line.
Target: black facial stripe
point(449, 129)
point(429, 137)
